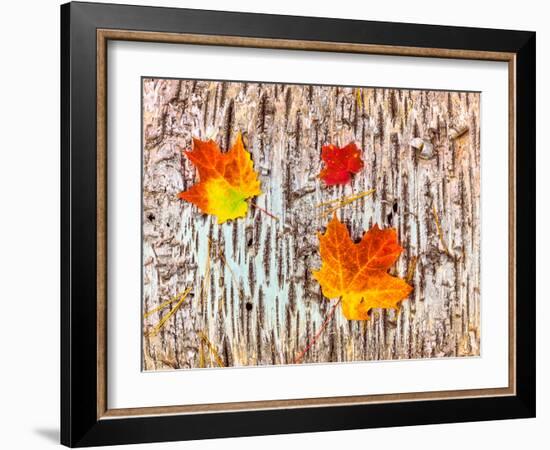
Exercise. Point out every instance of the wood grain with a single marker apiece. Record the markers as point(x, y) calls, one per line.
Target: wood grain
point(259, 304)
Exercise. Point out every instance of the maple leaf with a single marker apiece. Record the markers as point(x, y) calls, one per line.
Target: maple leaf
point(340, 163)
point(226, 179)
point(358, 272)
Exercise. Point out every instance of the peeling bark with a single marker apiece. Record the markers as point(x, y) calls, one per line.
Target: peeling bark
point(259, 303)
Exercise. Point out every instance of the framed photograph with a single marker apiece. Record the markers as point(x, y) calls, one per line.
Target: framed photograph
point(277, 224)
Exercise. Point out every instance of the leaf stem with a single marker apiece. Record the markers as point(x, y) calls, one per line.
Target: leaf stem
point(301, 355)
point(264, 211)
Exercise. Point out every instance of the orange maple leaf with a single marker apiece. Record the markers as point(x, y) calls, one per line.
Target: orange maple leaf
point(358, 272)
point(226, 179)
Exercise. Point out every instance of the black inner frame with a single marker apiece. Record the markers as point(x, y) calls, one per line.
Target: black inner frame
point(79, 423)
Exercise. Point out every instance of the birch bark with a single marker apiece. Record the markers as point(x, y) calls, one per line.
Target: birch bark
point(253, 300)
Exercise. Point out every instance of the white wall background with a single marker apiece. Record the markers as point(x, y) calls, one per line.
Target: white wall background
point(29, 223)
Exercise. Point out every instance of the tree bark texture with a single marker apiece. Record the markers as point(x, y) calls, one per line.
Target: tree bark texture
point(252, 298)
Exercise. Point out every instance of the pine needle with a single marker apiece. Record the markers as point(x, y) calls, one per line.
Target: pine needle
point(159, 326)
point(161, 306)
point(350, 198)
point(359, 94)
point(212, 349)
point(344, 201)
point(207, 270)
point(233, 277)
point(440, 231)
point(222, 257)
point(411, 269)
point(201, 355)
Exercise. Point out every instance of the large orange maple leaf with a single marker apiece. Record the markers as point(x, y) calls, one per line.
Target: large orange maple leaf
point(226, 179)
point(358, 272)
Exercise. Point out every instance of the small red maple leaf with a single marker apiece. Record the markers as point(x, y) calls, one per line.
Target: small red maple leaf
point(340, 163)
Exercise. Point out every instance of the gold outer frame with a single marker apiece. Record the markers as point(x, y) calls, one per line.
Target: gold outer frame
point(103, 36)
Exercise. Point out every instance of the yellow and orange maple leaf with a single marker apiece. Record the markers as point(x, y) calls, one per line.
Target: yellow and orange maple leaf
point(226, 180)
point(358, 272)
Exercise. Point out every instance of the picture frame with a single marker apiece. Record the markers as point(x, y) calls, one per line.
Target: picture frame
point(86, 30)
